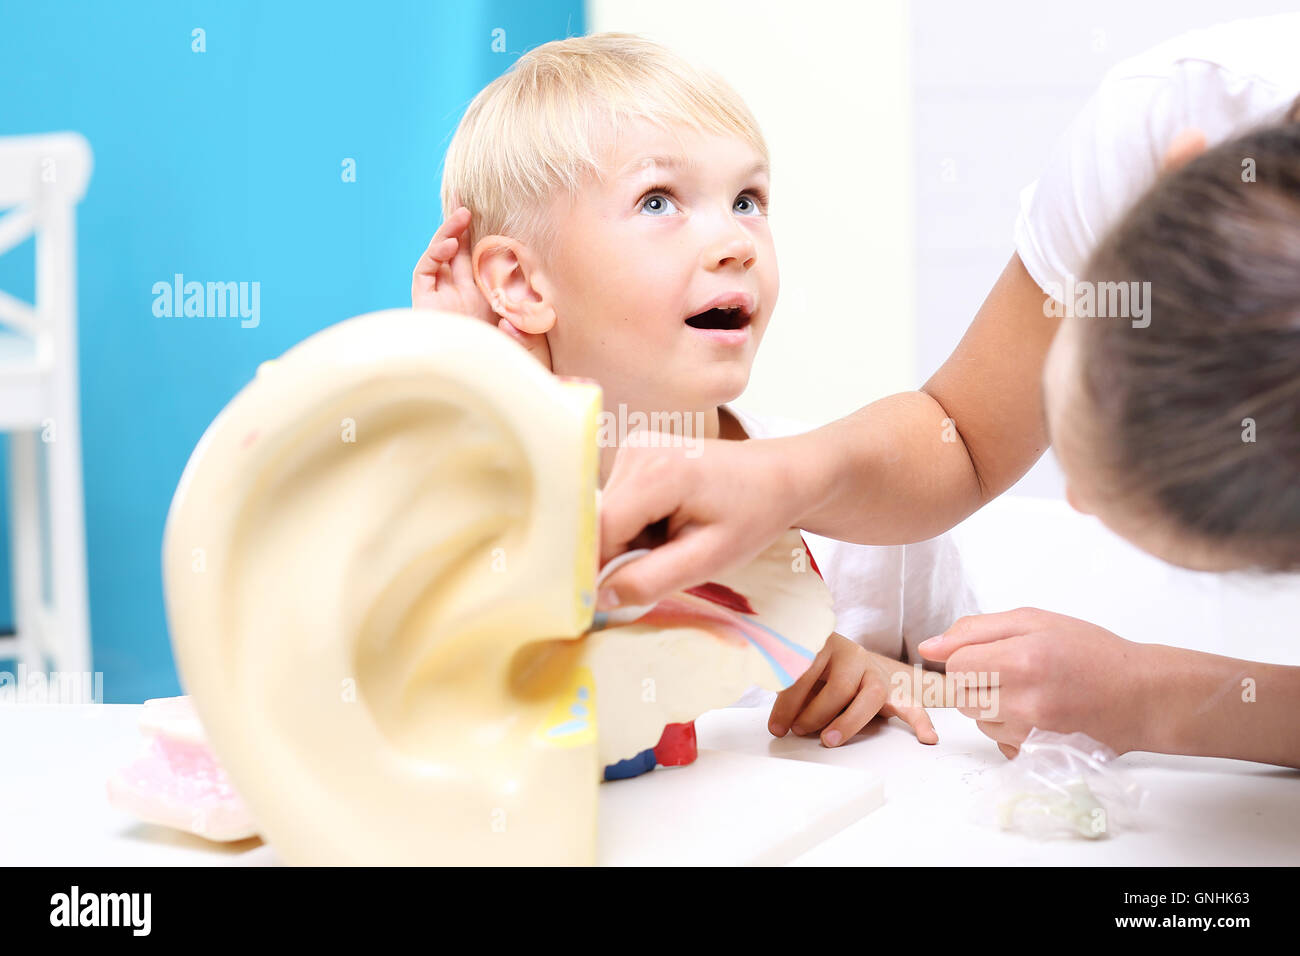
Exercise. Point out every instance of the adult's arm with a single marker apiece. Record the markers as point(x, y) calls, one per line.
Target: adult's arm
point(911, 466)
point(1033, 668)
point(902, 469)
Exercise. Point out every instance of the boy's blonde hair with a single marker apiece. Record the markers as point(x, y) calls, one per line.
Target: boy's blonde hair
point(541, 126)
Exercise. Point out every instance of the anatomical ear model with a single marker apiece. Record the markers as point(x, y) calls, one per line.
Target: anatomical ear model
point(380, 567)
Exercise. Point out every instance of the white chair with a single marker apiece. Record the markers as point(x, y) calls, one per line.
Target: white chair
point(42, 178)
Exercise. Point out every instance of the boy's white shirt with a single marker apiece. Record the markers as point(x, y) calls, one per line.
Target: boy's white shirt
point(888, 599)
point(1222, 80)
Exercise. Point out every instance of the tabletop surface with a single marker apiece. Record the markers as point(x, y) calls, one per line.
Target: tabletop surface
point(1197, 811)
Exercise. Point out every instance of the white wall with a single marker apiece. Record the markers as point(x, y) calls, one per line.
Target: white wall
point(829, 85)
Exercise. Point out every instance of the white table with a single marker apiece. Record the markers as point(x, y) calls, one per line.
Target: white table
point(1198, 811)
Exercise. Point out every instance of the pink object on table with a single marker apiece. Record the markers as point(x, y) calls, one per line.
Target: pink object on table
point(176, 780)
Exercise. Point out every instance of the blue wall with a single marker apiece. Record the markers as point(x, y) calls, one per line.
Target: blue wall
point(225, 166)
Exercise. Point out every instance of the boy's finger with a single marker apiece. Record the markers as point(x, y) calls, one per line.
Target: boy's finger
point(438, 254)
point(791, 700)
point(535, 344)
point(864, 706)
point(508, 327)
point(839, 693)
point(439, 249)
point(919, 721)
point(462, 263)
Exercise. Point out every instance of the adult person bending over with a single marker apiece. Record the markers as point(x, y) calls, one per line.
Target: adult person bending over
point(1148, 420)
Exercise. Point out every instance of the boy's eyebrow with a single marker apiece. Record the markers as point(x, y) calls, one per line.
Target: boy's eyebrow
point(678, 162)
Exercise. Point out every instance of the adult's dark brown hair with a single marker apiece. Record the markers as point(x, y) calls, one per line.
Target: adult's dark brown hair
point(1197, 415)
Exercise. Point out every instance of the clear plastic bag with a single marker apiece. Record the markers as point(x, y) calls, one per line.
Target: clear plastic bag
point(1065, 785)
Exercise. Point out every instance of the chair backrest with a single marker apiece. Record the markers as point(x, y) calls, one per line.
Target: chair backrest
point(49, 164)
point(42, 178)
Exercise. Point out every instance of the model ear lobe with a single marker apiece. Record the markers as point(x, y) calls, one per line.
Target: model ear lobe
point(509, 280)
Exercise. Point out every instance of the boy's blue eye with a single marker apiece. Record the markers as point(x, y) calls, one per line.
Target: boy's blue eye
point(659, 195)
point(662, 195)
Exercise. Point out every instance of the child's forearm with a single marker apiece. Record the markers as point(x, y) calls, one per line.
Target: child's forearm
point(1210, 706)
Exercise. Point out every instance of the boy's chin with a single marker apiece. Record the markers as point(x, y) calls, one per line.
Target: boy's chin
point(719, 393)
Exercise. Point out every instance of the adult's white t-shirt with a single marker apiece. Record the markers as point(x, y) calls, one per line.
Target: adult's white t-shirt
point(1223, 80)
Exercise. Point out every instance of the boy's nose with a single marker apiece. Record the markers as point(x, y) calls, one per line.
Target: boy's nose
point(733, 249)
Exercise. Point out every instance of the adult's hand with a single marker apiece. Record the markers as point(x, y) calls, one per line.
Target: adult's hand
point(1052, 672)
point(721, 503)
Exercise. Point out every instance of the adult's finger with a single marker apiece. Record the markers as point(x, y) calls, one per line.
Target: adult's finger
point(993, 729)
point(724, 502)
point(642, 489)
point(986, 709)
point(1009, 732)
point(981, 629)
point(692, 557)
point(652, 480)
point(974, 668)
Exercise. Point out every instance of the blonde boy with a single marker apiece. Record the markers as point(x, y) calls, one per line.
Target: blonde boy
point(608, 208)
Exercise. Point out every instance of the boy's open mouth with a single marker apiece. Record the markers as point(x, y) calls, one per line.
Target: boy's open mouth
point(736, 317)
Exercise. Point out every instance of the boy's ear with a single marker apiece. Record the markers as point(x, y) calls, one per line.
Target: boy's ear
point(508, 275)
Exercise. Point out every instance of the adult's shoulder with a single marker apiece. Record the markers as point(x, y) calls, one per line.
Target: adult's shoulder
point(1221, 80)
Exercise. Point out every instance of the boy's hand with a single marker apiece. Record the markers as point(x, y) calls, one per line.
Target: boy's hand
point(536, 345)
point(444, 280)
point(850, 688)
point(444, 276)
